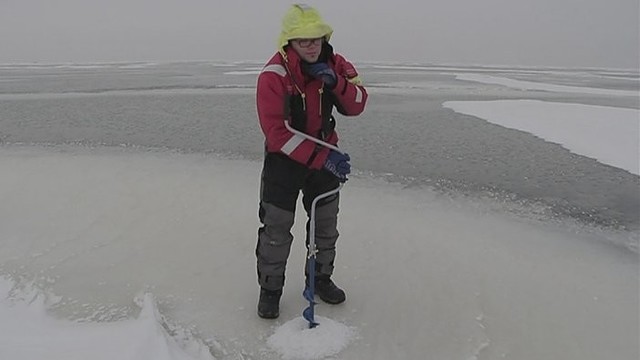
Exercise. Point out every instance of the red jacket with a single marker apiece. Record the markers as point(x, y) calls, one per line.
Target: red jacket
point(275, 83)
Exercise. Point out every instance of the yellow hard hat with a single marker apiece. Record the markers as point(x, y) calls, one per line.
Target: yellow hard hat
point(303, 22)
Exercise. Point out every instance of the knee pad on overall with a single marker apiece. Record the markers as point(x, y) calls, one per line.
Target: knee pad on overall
point(274, 245)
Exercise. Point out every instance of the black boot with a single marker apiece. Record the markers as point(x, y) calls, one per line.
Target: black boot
point(328, 291)
point(269, 303)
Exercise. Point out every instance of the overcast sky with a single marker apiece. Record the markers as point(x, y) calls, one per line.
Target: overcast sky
point(603, 33)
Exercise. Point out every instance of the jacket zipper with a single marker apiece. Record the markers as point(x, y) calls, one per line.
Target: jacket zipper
point(293, 80)
point(320, 91)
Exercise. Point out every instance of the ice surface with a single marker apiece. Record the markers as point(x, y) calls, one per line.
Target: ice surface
point(427, 275)
point(532, 85)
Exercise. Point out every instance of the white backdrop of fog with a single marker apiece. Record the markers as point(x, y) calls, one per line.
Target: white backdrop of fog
point(573, 33)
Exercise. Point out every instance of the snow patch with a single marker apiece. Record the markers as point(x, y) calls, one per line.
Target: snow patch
point(28, 331)
point(294, 339)
point(610, 135)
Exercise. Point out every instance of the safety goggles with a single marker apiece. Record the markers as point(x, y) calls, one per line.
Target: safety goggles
point(305, 43)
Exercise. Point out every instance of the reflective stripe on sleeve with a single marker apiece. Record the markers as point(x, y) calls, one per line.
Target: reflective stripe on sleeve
point(292, 144)
point(276, 68)
point(358, 95)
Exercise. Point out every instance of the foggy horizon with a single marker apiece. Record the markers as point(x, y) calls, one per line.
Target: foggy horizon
point(546, 33)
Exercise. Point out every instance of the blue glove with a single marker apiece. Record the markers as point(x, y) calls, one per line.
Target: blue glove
point(338, 165)
point(323, 72)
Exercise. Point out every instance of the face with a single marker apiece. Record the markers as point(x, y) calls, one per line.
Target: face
point(308, 49)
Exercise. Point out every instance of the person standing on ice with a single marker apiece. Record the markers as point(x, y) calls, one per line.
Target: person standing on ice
point(301, 84)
